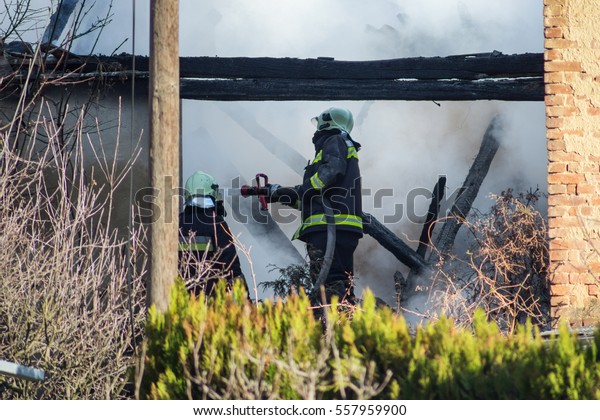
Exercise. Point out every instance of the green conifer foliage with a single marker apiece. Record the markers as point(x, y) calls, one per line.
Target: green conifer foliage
point(228, 348)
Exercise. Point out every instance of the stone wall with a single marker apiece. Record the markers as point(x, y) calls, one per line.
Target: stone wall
point(572, 76)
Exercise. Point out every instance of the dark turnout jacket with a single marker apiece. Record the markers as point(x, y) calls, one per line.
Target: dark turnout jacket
point(334, 173)
point(205, 236)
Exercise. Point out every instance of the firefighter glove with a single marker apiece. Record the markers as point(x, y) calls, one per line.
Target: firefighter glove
point(272, 195)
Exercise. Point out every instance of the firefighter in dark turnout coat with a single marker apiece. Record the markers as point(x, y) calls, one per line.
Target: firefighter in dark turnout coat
point(331, 179)
point(206, 249)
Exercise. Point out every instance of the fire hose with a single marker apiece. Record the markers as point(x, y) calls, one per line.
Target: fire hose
point(328, 257)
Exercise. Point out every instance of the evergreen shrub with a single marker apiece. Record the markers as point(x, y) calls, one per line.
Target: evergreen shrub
point(228, 348)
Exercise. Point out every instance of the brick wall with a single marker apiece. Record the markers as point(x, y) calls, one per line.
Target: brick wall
point(572, 76)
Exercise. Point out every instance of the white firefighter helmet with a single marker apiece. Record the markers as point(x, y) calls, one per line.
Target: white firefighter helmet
point(334, 117)
point(200, 184)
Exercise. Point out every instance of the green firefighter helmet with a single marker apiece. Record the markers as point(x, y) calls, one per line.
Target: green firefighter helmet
point(200, 184)
point(334, 117)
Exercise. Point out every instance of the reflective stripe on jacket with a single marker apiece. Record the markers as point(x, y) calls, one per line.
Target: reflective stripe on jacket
point(196, 243)
point(205, 233)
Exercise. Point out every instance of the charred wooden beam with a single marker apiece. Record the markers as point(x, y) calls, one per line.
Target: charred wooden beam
point(470, 188)
point(486, 76)
point(467, 66)
point(392, 243)
point(409, 284)
point(461, 207)
point(432, 215)
point(525, 89)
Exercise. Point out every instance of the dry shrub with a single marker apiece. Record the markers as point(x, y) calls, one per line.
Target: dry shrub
point(71, 301)
point(504, 270)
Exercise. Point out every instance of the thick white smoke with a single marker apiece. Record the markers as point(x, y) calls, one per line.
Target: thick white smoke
point(406, 145)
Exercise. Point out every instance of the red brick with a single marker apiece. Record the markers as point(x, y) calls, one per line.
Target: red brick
point(561, 267)
point(592, 264)
point(555, 21)
point(594, 112)
point(567, 221)
point(559, 301)
point(591, 170)
point(577, 270)
point(575, 278)
point(587, 189)
point(585, 211)
point(558, 88)
point(562, 66)
point(551, 100)
point(559, 156)
point(552, 223)
point(561, 289)
point(557, 189)
point(559, 100)
point(556, 167)
point(558, 232)
point(593, 290)
point(559, 43)
point(560, 278)
point(565, 178)
point(561, 111)
point(553, 9)
point(563, 244)
point(558, 211)
point(550, 55)
point(554, 143)
point(574, 167)
point(554, 122)
point(566, 200)
point(591, 177)
point(573, 78)
point(576, 256)
point(554, 77)
point(555, 32)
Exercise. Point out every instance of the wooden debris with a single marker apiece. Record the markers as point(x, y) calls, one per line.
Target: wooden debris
point(392, 243)
point(432, 215)
point(469, 190)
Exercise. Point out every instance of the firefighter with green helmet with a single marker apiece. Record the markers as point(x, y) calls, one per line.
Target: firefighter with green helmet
point(207, 252)
point(331, 183)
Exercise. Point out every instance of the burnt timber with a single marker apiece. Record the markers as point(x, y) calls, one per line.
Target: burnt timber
point(469, 77)
point(489, 76)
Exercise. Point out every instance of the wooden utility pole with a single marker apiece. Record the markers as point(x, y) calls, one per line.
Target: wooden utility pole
point(164, 148)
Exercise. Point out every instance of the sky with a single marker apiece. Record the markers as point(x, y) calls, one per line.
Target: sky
point(406, 145)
